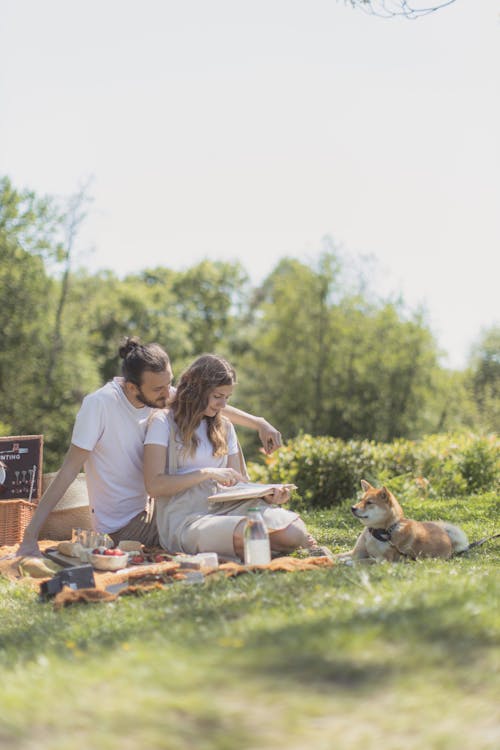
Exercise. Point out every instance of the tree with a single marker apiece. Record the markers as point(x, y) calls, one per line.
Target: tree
point(390, 376)
point(326, 362)
point(484, 378)
point(71, 220)
point(209, 301)
point(286, 372)
point(26, 235)
point(142, 304)
point(391, 8)
point(30, 241)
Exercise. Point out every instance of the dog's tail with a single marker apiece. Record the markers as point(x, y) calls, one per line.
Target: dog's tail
point(479, 543)
point(458, 538)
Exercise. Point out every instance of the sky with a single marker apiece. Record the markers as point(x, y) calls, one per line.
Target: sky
point(251, 129)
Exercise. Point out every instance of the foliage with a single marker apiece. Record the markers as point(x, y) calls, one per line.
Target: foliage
point(328, 471)
point(45, 364)
point(363, 657)
point(393, 8)
point(291, 344)
point(324, 360)
point(316, 350)
point(484, 378)
point(25, 292)
point(210, 300)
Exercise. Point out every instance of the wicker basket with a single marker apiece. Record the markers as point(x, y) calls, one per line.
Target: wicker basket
point(15, 515)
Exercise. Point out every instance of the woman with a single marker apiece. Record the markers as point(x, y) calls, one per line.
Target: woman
point(198, 448)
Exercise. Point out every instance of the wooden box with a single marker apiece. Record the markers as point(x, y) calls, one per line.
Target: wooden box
point(21, 458)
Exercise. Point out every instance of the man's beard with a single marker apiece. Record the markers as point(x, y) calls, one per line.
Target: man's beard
point(159, 404)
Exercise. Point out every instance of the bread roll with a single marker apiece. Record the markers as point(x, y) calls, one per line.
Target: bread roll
point(68, 548)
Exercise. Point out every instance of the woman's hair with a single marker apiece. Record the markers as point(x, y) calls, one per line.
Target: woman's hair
point(137, 358)
point(193, 391)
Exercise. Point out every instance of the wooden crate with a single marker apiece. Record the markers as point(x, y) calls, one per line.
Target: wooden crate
point(21, 458)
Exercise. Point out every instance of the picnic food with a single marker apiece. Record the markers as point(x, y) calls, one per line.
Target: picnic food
point(161, 557)
point(104, 561)
point(70, 549)
point(38, 567)
point(108, 552)
point(130, 545)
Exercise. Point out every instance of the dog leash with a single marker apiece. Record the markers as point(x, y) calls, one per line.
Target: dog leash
point(477, 544)
point(384, 535)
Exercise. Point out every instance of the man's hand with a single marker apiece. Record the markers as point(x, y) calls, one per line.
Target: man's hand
point(269, 436)
point(28, 548)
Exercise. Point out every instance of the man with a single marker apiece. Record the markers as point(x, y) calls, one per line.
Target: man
point(108, 438)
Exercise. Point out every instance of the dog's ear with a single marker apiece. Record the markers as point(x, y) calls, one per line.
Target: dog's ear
point(365, 486)
point(384, 494)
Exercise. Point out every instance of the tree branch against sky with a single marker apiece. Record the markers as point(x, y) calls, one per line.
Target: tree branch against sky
point(390, 8)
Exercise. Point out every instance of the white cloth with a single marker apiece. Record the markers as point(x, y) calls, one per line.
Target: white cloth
point(113, 430)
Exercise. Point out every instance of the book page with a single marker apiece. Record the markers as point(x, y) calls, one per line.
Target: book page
point(246, 490)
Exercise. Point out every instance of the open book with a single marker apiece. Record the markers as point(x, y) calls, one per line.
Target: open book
point(245, 491)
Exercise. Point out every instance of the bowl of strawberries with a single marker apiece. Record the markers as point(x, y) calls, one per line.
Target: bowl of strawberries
point(102, 558)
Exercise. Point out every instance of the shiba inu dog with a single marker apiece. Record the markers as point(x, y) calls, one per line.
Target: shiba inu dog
point(390, 536)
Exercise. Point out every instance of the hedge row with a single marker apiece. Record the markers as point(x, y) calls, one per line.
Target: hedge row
point(328, 470)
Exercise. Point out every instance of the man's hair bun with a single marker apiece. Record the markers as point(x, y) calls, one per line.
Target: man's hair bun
point(137, 358)
point(129, 344)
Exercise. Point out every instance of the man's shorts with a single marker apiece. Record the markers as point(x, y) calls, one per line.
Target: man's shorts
point(142, 528)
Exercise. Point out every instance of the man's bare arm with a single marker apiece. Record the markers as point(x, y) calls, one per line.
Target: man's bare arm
point(269, 436)
point(71, 466)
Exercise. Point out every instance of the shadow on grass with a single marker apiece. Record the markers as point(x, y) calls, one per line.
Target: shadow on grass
point(370, 649)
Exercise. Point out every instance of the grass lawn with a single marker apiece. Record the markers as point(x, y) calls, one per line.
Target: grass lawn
point(388, 656)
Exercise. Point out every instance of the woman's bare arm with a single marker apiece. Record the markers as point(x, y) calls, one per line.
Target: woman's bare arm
point(160, 484)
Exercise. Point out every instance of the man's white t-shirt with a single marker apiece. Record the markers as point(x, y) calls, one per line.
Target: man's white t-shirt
point(113, 430)
point(158, 433)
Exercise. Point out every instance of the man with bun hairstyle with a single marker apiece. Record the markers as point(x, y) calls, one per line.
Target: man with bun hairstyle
point(108, 439)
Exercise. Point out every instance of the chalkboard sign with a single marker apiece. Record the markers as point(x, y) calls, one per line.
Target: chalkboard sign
point(21, 467)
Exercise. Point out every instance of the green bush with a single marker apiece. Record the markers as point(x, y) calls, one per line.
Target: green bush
point(328, 470)
point(479, 465)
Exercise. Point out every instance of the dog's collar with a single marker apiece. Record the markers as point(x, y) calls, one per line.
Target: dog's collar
point(383, 535)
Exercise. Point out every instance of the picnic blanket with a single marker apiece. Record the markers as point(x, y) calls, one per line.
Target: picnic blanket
point(143, 578)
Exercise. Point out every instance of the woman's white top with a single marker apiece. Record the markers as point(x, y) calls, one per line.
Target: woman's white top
point(158, 433)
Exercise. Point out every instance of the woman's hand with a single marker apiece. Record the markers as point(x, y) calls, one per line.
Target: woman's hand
point(278, 496)
point(226, 477)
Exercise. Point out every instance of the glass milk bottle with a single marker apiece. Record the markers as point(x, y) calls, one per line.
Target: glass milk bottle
point(256, 539)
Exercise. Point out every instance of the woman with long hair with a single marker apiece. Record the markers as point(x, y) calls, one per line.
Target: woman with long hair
point(190, 449)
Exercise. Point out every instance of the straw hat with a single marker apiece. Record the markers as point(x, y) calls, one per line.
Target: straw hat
point(71, 512)
point(75, 496)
